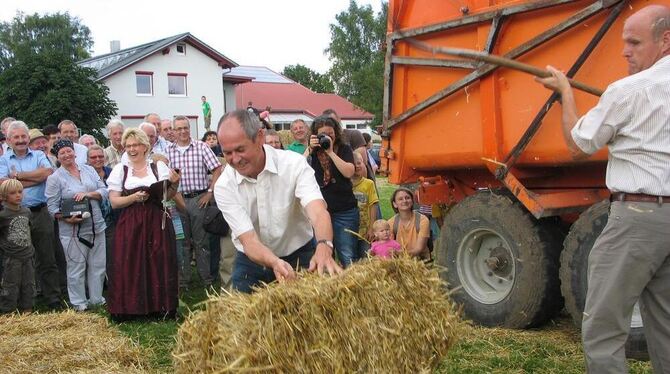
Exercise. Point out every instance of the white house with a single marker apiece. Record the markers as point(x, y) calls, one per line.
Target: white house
point(168, 77)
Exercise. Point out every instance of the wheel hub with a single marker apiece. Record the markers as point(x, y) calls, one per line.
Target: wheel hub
point(485, 266)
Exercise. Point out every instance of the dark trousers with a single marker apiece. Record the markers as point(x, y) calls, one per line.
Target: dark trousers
point(18, 285)
point(44, 241)
point(248, 274)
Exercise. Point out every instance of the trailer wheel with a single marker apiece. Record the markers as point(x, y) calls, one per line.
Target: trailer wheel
point(502, 261)
point(574, 268)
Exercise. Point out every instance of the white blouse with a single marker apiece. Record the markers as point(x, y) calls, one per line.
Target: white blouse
point(116, 177)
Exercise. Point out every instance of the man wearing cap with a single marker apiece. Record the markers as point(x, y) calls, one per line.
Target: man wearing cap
point(38, 142)
point(32, 168)
point(68, 130)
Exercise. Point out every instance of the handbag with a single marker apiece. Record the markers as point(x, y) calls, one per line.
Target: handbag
point(213, 221)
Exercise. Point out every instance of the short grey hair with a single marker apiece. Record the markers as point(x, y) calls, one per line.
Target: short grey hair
point(66, 122)
point(146, 118)
point(6, 122)
point(148, 125)
point(181, 118)
point(661, 25)
point(86, 136)
point(249, 122)
point(114, 123)
point(94, 147)
point(16, 125)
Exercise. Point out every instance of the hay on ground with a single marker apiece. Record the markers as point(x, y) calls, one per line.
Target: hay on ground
point(378, 316)
point(67, 342)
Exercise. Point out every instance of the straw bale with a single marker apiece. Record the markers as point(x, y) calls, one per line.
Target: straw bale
point(378, 316)
point(67, 342)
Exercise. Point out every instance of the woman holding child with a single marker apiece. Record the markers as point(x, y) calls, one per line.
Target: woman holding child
point(144, 281)
point(409, 228)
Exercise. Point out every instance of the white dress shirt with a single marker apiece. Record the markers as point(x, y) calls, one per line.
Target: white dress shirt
point(633, 119)
point(81, 154)
point(273, 204)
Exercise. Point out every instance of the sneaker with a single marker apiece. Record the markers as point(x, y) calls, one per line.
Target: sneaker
point(80, 308)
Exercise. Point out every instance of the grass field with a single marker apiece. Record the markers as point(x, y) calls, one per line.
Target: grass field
point(554, 348)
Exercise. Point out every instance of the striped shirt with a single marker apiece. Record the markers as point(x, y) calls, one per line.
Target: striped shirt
point(633, 119)
point(194, 163)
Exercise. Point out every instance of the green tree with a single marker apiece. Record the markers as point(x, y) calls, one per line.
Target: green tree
point(27, 35)
point(357, 48)
point(50, 87)
point(309, 78)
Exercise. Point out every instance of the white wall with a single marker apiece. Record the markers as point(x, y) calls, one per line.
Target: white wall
point(203, 79)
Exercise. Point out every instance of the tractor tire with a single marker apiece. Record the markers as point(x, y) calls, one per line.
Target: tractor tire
point(574, 269)
point(501, 262)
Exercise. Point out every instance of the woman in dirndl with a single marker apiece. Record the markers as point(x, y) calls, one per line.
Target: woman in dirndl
point(144, 281)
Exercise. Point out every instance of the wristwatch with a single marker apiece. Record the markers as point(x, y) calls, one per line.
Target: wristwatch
point(326, 242)
point(210, 190)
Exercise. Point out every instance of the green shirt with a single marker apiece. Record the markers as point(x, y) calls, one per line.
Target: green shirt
point(206, 109)
point(297, 147)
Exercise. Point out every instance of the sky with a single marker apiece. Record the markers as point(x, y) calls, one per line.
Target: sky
point(268, 33)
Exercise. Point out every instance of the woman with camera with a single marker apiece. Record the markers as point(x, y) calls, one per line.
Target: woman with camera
point(333, 164)
point(74, 193)
point(144, 280)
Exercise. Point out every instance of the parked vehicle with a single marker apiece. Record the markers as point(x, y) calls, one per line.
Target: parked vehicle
point(487, 142)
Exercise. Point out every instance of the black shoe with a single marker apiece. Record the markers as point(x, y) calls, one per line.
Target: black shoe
point(56, 306)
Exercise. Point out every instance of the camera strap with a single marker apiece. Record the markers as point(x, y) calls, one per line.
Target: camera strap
point(80, 238)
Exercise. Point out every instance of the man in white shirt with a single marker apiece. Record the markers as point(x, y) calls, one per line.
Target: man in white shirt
point(269, 197)
point(68, 130)
point(630, 260)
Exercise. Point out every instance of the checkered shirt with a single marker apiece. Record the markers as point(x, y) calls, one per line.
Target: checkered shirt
point(193, 164)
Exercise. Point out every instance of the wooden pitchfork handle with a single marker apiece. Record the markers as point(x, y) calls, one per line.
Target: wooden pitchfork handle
point(502, 61)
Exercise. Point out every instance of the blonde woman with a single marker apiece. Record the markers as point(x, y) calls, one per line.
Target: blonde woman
point(144, 263)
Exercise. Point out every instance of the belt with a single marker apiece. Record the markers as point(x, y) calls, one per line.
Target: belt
point(639, 197)
point(194, 194)
point(37, 207)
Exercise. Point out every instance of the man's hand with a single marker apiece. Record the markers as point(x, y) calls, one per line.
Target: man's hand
point(283, 270)
point(204, 199)
point(323, 260)
point(557, 81)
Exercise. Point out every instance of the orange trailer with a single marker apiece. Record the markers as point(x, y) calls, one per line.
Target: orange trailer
point(487, 142)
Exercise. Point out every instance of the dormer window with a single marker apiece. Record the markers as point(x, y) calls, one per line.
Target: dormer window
point(181, 49)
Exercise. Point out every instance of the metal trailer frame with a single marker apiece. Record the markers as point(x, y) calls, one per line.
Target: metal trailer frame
point(540, 205)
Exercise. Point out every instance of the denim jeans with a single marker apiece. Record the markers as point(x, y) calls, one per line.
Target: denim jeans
point(346, 243)
point(363, 249)
point(248, 274)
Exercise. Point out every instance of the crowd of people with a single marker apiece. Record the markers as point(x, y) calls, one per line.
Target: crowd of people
point(129, 217)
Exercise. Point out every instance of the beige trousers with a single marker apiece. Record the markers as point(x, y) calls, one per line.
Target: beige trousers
point(228, 252)
point(630, 261)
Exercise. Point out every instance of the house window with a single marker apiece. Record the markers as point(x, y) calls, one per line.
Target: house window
point(181, 49)
point(144, 83)
point(351, 126)
point(361, 126)
point(177, 84)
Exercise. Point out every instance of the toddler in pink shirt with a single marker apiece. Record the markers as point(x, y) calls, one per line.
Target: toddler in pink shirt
point(383, 246)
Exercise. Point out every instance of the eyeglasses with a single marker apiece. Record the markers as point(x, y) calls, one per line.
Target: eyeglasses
point(96, 157)
point(137, 145)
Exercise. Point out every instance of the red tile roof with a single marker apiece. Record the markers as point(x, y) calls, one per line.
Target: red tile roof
point(294, 97)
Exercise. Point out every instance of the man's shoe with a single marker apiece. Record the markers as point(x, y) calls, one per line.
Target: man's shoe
point(56, 306)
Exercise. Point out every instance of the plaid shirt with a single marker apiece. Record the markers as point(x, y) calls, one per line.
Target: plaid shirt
point(193, 164)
